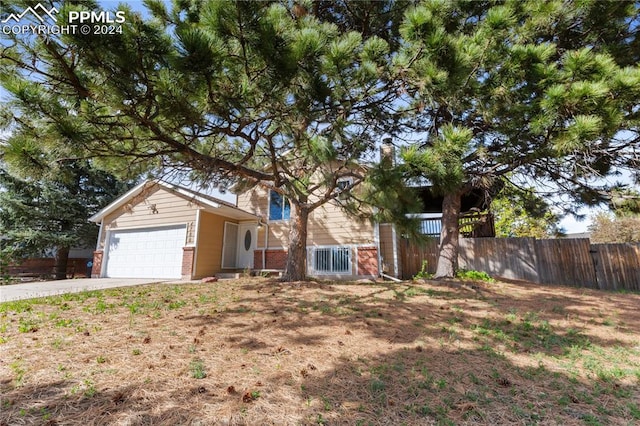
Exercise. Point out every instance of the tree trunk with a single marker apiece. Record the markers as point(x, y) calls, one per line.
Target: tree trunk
point(296, 269)
point(449, 236)
point(60, 268)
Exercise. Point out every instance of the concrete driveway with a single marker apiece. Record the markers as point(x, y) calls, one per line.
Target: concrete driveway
point(50, 288)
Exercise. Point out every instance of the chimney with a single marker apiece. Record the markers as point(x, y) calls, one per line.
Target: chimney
point(387, 152)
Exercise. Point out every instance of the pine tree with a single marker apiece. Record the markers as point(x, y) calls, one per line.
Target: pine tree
point(255, 93)
point(534, 89)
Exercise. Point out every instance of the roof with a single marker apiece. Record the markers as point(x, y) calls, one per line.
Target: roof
point(207, 202)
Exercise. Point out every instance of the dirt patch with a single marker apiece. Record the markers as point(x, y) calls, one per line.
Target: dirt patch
point(256, 351)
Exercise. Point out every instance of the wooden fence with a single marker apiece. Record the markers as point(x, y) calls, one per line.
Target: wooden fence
point(571, 262)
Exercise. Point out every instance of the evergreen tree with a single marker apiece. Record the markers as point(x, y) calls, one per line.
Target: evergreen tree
point(624, 201)
point(290, 96)
point(521, 88)
point(260, 93)
point(49, 211)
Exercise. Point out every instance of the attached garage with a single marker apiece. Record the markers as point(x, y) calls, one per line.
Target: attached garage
point(146, 253)
point(161, 230)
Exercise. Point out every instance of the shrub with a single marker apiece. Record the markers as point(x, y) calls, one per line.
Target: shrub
point(463, 274)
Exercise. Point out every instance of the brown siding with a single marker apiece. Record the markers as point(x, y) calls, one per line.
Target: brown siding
point(156, 207)
point(209, 252)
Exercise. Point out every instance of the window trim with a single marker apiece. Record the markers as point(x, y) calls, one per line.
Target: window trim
point(314, 250)
point(338, 190)
point(285, 200)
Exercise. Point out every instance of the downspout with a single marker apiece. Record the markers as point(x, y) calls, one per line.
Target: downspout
point(266, 246)
point(389, 277)
point(395, 250)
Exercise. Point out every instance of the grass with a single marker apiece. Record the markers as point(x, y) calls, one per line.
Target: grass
point(255, 351)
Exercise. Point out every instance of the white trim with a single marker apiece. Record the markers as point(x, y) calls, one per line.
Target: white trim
point(269, 190)
point(114, 205)
point(195, 243)
point(395, 250)
point(188, 195)
point(105, 252)
point(312, 254)
point(266, 245)
point(253, 229)
point(339, 190)
point(356, 262)
point(100, 230)
point(425, 215)
point(159, 225)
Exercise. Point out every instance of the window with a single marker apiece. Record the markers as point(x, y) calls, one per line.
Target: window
point(341, 185)
point(279, 207)
point(332, 260)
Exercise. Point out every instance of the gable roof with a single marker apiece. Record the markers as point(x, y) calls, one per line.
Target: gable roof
point(208, 202)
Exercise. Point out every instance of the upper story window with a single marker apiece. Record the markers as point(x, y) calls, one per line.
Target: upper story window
point(279, 207)
point(341, 185)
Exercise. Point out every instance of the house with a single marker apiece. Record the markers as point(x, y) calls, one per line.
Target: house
point(161, 230)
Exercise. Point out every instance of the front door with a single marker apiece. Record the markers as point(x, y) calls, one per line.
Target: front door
point(247, 235)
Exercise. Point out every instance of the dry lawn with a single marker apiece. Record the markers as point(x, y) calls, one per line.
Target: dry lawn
point(258, 352)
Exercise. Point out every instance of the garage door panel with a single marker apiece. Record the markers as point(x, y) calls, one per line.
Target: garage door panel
point(146, 253)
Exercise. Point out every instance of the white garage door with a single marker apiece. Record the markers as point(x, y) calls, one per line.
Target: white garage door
point(146, 253)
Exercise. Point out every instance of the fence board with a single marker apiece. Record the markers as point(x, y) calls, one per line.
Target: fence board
point(617, 266)
point(571, 262)
point(511, 258)
point(565, 262)
point(412, 255)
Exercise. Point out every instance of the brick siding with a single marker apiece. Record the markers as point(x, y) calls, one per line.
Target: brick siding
point(368, 261)
point(275, 259)
point(257, 259)
point(97, 264)
point(187, 262)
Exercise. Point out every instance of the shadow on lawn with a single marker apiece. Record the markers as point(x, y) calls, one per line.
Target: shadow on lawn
point(384, 312)
point(445, 353)
point(513, 365)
